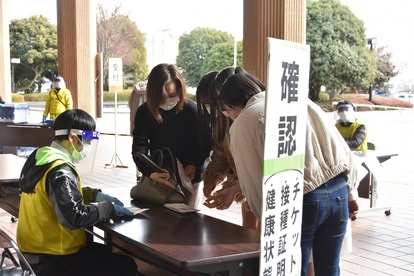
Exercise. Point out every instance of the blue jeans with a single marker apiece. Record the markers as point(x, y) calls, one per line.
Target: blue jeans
point(325, 216)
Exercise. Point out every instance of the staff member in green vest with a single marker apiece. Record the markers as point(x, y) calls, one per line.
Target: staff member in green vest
point(353, 131)
point(58, 100)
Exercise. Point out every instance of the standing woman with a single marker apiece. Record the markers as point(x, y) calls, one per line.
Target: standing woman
point(135, 100)
point(213, 129)
point(169, 119)
point(330, 175)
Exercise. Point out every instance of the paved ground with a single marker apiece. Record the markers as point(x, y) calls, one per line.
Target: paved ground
point(382, 245)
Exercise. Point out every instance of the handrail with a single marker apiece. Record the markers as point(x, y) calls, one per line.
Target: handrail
point(375, 107)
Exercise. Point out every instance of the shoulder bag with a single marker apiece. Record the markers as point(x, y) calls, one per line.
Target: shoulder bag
point(154, 192)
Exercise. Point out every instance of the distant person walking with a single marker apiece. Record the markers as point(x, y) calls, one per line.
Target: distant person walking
point(58, 100)
point(136, 99)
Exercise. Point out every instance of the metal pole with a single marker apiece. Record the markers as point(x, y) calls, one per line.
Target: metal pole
point(13, 62)
point(13, 77)
point(370, 85)
point(235, 51)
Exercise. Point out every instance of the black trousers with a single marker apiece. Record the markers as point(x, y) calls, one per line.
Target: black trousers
point(94, 259)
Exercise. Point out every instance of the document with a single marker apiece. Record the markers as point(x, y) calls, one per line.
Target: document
point(184, 179)
point(181, 208)
point(136, 210)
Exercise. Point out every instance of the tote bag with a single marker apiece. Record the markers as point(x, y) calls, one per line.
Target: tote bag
point(154, 192)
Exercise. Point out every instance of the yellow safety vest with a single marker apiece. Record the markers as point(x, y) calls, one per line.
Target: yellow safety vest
point(39, 231)
point(348, 132)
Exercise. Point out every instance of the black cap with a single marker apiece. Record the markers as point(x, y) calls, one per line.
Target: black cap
point(58, 78)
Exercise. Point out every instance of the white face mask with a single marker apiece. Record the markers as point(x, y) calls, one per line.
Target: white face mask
point(170, 103)
point(347, 116)
point(79, 155)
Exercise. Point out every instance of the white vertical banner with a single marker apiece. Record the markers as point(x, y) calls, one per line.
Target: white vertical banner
point(284, 157)
point(115, 83)
point(115, 74)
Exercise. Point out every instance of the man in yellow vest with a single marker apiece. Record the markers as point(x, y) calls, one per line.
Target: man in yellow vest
point(353, 131)
point(58, 100)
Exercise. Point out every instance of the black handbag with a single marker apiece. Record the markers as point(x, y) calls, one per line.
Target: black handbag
point(154, 192)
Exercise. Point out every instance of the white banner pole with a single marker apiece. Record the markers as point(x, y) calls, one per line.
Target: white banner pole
point(115, 84)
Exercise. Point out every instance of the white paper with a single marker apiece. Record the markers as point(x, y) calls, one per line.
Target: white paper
point(184, 179)
point(181, 208)
point(136, 210)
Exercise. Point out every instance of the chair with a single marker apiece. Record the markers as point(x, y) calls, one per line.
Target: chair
point(371, 146)
point(21, 267)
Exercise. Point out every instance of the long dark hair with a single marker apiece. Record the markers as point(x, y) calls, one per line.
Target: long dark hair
point(159, 76)
point(222, 122)
point(206, 93)
point(237, 90)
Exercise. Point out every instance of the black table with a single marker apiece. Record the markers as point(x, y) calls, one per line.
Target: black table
point(185, 244)
point(26, 134)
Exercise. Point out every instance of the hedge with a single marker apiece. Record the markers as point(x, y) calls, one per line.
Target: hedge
point(108, 97)
point(41, 97)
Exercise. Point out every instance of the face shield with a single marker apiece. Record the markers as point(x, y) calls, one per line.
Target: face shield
point(57, 84)
point(89, 140)
point(345, 113)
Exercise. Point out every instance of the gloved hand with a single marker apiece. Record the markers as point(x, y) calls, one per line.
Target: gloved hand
point(104, 197)
point(121, 211)
point(44, 119)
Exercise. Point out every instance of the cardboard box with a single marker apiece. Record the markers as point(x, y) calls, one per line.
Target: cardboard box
point(14, 113)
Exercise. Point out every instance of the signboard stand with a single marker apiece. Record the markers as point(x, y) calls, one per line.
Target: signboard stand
point(115, 84)
point(284, 155)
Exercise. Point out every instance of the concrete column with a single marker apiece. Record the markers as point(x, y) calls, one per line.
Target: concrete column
point(282, 19)
point(77, 50)
point(5, 71)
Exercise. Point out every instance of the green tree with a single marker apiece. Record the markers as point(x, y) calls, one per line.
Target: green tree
point(222, 55)
point(339, 56)
point(193, 48)
point(385, 68)
point(119, 37)
point(34, 41)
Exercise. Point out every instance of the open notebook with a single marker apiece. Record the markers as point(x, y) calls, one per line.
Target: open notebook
point(181, 208)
